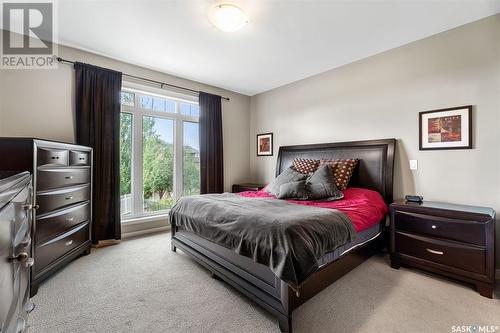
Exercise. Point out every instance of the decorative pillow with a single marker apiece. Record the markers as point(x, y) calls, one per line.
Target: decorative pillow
point(293, 190)
point(342, 170)
point(321, 184)
point(287, 176)
point(305, 165)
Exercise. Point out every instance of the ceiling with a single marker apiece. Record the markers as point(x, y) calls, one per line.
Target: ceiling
point(285, 41)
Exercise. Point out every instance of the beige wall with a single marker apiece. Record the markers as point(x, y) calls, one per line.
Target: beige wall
point(40, 103)
point(380, 97)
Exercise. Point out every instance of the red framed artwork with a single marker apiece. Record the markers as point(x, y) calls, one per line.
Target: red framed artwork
point(265, 144)
point(446, 128)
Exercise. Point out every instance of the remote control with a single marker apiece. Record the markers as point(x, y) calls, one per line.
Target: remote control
point(414, 198)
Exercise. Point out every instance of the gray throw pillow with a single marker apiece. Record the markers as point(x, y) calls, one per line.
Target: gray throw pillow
point(321, 185)
point(293, 190)
point(287, 176)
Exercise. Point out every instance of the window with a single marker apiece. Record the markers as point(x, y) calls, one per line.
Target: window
point(159, 151)
point(126, 163)
point(191, 155)
point(157, 163)
point(128, 98)
point(189, 109)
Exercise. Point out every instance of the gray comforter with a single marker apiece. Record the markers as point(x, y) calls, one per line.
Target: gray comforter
point(288, 238)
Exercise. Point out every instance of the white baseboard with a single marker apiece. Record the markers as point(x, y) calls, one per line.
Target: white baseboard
point(145, 232)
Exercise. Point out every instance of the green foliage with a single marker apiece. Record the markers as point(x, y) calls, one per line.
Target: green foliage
point(125, 153)
point(127, 98)
point(158, 162)
point(191, 176)
point(158, 165)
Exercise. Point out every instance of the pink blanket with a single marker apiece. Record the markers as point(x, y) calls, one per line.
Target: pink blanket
point(363, 207)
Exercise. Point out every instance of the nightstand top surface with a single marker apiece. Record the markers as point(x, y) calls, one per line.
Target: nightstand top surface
point(250, 184)
point(444, 206)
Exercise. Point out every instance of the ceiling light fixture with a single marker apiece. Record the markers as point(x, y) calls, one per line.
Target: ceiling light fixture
point(228, 17)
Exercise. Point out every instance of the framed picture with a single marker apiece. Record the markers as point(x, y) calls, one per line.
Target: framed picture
point(265, 144)
point(446, 128)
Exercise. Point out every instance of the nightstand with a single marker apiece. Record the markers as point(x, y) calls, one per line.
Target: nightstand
point(237, 188)
point(453, 240)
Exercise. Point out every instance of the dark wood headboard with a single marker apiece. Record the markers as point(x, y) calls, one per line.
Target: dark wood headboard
point(375, 170)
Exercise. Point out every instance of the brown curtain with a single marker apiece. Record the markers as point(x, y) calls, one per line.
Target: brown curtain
point(98, 126)
point(211, 152)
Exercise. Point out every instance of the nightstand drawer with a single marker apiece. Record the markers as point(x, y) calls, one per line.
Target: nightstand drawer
point(461, 256)
point(454, 229)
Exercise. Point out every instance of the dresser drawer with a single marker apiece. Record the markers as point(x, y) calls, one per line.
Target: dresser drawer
point(52, 157)
point(54, 199)
point(60, 177)
point(454, 229)
point(79, 158)
point(461, 256)
point(51, 250)
point(60, 221)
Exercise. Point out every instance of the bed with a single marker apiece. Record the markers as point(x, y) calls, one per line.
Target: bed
point(257, 281)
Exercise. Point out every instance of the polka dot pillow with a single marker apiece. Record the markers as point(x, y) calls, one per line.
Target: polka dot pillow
point(342, 170)
point(305, 165)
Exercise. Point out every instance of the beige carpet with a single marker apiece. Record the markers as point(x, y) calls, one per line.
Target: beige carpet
point(141, 286)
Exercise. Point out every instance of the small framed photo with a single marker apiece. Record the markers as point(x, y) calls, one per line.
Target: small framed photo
point(446, 128)
point(265, 144)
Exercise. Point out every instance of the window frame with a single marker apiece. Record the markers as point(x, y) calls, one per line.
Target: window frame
point(178, 119)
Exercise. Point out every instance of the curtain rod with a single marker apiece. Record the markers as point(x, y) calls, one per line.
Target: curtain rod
point(162, 84)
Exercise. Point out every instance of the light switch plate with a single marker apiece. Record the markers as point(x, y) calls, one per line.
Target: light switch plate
point(413, 165)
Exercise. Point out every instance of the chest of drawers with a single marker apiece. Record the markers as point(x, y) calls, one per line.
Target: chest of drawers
point(15, 252)
point(62, 197)
point(453, 240)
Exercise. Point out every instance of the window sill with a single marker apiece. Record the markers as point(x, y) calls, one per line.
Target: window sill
point(145, 218)
point(142, 224)
point(145, 232)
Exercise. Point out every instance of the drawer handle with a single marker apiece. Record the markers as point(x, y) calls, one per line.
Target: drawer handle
point(435, 252)
point(69, 198)
point(70, 219)
point(21, 257)
point(69, 177)
point(68, 243)
point(81, 158)
point(434, 226)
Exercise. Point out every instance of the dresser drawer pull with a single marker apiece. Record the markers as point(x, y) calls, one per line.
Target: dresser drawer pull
point(70, 219)
point(69, 177)
point(434, 226)
point(69, 198)
point(68, 243)
point(21, 257)
point(435, 252)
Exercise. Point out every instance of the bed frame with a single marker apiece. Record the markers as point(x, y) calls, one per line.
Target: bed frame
point(375, 171)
